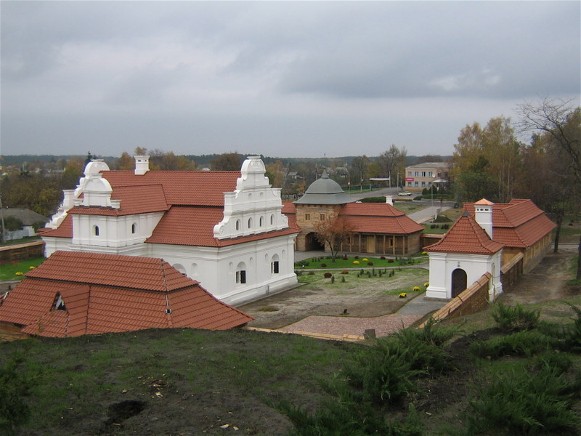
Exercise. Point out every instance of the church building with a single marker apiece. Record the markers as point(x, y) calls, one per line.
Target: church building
point(224, 229)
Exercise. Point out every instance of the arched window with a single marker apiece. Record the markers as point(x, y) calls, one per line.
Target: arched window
point(96, 230)
point(237, 224)
point(133, 228)
point(275, 265)
point(249, 223)
point(272, 220)
point(261, 222)
point(241, 273)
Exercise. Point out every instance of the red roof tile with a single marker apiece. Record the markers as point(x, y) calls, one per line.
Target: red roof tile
point(64, 230)
point(378, 218)
point(465, 236)
point(198, 188)
point(113, 270)
point(195, 226)
point(93, 307)
point(519, 223)
point(134, 200)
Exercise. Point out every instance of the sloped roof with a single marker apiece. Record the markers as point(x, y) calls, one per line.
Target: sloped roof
point(324, 191)
point(378, 218)
point(64, 230)
point(195, 226)
point(519, 223)
point(289, 209)
point(126, 301)
point(113, 270)
point(198, 188)
point(134, 200)
point(465, 236)
point(26, 216)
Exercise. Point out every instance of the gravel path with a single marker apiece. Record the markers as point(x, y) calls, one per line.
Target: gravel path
point(350, 326)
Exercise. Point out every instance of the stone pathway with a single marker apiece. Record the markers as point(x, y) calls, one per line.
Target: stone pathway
point(349, 326)
point(384, 325)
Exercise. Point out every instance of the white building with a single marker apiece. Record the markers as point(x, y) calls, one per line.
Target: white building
point(224, 229)
point(464, 254)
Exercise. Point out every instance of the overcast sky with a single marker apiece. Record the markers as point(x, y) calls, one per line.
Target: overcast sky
point(283, 79)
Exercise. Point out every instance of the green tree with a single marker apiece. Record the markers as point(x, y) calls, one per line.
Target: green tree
point(359, 169)
point(392, 163)
point(493, 153)
point(476, 183)
point(558, 125)
point(227, 162)
point(125, 162)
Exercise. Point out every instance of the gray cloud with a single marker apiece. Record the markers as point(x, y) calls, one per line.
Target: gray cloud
point(283, 78)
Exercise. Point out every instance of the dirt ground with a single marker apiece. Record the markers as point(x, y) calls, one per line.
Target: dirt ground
point(358, 297)
point(547, 281)
point(368, 297)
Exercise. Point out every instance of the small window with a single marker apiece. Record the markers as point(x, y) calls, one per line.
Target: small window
point(261, 222)
point(96, 230)
point(237, 224)
point(241, 276)
point(307, 217)
point(322, 217)
point(249, 223)
point(59, 304)
point(133, 228)
point(274, 267)
point(272, 220)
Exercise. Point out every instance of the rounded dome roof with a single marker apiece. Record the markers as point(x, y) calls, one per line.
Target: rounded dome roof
point(324, 191)
point(324, 185)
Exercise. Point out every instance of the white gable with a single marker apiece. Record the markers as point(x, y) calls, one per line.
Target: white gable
point(254, 207)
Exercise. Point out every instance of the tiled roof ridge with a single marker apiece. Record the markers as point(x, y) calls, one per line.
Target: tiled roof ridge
point(484, 241)
point(159, 263)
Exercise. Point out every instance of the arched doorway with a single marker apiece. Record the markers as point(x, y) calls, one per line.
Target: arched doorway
point(459, 281)
point(312, 243)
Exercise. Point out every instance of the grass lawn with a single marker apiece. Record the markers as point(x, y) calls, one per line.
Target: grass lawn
point(16, 270)
point(570, 232)
point(194, 382)
point(414, 278)
point(21, 241)
point(326, 262)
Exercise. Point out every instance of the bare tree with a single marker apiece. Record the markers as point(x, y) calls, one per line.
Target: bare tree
point(560, 124)
point(332, 233)
point(560, 121)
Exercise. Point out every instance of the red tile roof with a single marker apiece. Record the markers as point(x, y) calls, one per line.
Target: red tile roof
point(198, 188)
point(109, 293)
point(519, 223)
point(134, 200)
point(197, 198)
point(465, 236)
point(113, 270)
point(195, 226)
point(64, 230)
point(378, 218)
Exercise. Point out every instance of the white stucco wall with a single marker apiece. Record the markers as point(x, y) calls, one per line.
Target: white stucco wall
point(215, 268)
point(254, 205)
point(442, 265)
